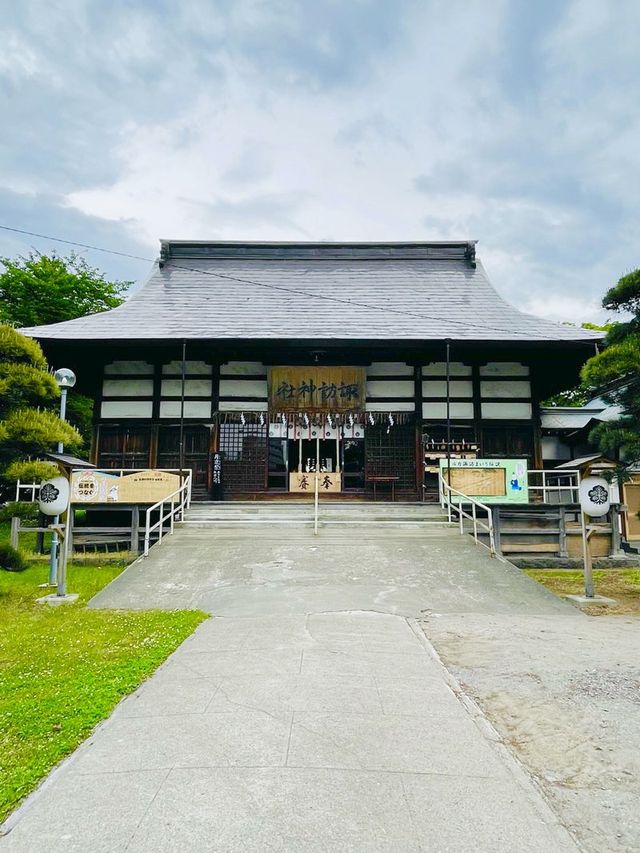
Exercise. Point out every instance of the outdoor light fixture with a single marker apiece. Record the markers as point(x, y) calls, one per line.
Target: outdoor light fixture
point(65, 378)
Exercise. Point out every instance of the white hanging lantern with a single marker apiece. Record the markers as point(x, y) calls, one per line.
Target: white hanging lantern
point(54, 496)
point(595, 499)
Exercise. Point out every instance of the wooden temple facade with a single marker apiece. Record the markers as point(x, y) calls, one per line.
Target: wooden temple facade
point(253, 363)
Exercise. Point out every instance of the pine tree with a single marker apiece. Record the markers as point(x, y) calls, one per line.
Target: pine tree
point(615, 373)
point(27, 391)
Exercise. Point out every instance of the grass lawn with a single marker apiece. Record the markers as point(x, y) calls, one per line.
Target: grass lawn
point(621, 584)
point(63, 669)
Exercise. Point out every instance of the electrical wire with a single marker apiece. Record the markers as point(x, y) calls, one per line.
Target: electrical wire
point(277, 287)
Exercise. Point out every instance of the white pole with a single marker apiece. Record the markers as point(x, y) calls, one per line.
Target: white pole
point(64, 555)
point(53, 556)
point(586, 554)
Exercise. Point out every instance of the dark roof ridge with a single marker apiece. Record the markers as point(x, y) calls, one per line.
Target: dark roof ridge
point(461, 250)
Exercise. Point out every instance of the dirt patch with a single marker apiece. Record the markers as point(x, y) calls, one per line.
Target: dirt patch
point(563, 692)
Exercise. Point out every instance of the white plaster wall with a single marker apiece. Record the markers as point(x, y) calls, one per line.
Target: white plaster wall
point(116, 367)
point(439, 368)
point(438, 388)
point(495, 411)
point(390, 407)
point(238, 368)
point(508, 390)
point(192, 388)
point(390, 388)
point(439, 410)
point(127, 388)
point(243, 406)
point(192, 409)
point(243, 388)
point(504, 368)
point(174, 368)
point(389, 368)
point(126, 409)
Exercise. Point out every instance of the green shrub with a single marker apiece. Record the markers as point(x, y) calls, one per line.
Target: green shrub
point(35, 431)
point(17, 347)
point(23, 384)
point(30, 471)
point(23, 509)
point(10, 559)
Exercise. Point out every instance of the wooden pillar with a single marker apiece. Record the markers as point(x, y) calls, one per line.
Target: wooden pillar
point(417, 396)
point(15, 531)
point(69, 544)
point(157, 389)
point(562, 524)
point(616, 544)
point(477, 407)
point(537, 436)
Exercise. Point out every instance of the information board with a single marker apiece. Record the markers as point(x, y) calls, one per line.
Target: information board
point(489, 480)
point(141, 487)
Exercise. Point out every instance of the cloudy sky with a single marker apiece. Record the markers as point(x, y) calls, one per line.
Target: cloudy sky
point(509, 121)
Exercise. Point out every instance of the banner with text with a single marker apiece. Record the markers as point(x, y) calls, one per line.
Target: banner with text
point(317, 389)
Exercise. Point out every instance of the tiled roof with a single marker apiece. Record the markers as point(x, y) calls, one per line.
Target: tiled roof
point(382, 291)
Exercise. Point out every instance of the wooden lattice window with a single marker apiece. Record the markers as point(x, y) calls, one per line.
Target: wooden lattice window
point(390, 451)
point(244, 449)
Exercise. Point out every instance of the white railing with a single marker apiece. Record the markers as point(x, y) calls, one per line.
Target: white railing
point(447, 494)
point(563, 486)
point(33, 488)
point(178, 501)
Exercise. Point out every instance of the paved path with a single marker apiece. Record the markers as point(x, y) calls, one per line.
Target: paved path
point(305, 718)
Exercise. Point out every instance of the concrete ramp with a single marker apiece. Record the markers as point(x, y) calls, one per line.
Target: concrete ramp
point(263, 559)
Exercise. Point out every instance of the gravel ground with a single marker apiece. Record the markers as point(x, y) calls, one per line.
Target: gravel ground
point(564, 694)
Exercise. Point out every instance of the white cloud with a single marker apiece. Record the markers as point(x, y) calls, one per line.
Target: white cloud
point(350, 121)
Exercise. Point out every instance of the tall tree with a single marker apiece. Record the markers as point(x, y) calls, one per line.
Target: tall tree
point(615, 373)
point(41, 289)
point(580, 394)
point(25, 384)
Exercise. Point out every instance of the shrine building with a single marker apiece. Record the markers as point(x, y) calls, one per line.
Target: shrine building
point(369, 361)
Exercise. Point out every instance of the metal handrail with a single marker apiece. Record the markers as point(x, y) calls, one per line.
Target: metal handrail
point(32, 487)
point(572, 487)
point(177, 508)
point(446, 492)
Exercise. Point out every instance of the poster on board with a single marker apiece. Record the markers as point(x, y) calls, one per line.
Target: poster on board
point(489, 480)
point(141, 487)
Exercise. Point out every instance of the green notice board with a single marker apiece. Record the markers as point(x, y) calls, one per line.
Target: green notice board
point(494, 481)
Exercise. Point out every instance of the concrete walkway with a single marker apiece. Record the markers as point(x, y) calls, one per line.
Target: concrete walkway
point(311, 714)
